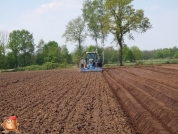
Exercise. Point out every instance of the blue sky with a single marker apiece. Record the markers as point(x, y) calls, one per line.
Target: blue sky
point(47, 20)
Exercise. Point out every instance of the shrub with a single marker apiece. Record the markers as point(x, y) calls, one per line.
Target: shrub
point(45, 66)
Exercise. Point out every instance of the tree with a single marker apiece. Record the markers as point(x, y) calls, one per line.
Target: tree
point(137, 54)
point(22, 46)
point(75, 32)
point(26, 47)
point(11, 60)
point(110, 55)
point(122, 19)
point(166, 53)
point(146, 54)
point(39, 52)
point(14, 45)
point(65, 54)
point(3, 45)
point(92, 48)
point(173, 51)
point(176, 55)
point(158, 54)
point(1, 57)
point(93, 11)
point(3, 41)
point(127, 53)
point(51, 52)
point(40, 46)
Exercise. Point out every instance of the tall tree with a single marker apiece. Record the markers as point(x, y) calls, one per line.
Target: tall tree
point(1, 57)
point(127, 53)
point(51, 52)
point(93, 11)
point(176, 55)
point(137, 54)
point(64, 54)
point(26, 47)
point(75, 32)
point(166, 53)
point(22, 46)
point(40, 46)
point(92, 48)
point(159, 54)
point(14, 45)
point(3, 41)
point(110, 55)
point(3, 45)
point(148, 54)
point(11, 60)
point(39, 52)
point(122, 19)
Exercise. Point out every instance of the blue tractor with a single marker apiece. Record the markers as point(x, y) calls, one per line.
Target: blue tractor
point(91, 63)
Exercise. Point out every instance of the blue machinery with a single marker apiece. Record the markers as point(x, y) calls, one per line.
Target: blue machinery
point(91, 63)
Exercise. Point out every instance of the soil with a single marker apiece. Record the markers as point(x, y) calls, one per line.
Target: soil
point(121, 100)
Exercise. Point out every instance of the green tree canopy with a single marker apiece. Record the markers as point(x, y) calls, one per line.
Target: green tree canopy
point(22, 46)
point(127, 54)
point(14, 44)
point(65, 57)
point(111, 55)
point(39, 52)
point(93, 11)
point(51, 52)
point(176, 55)
point(75, 33)
point(137, 54)
point(158, 54)
point(1, 57)
point(26, 47)
point(122, 19)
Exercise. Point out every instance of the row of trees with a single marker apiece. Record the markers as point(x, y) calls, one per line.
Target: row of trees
point(99, 18)
point(171, 53)
point(133, 53)
point(18, 49)
point(102, 17)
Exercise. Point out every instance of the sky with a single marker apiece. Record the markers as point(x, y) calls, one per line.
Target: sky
point(47, 20)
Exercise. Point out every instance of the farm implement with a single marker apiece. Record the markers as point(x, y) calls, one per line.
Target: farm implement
point(91, 63)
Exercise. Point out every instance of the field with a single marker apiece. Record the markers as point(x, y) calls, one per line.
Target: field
point(125, 100)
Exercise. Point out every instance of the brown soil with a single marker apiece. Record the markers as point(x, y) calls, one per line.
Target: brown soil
point(62, 101)
point(149, 95)
point(123, 100)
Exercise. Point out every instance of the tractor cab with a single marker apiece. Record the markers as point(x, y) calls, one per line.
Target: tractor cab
point(90, 63)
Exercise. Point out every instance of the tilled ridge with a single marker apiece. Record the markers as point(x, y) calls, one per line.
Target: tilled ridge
point(161, 92)
point(139, 115)
point(165, 115)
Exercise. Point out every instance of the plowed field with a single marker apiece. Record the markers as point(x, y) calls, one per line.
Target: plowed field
point(125, 100)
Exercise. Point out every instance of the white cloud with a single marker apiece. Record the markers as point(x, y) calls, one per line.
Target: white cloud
point(48, 21)
point(50, 6)
point(62, 8)
point(64, 5)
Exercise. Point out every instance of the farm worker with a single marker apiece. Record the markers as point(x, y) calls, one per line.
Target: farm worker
point(82, 62)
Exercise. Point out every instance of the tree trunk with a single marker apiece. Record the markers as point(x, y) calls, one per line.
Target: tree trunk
point(96, 50)
point(103, 51)
point(103, 58)
point(16, 61)
point(120, 56)
point(80, 54)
